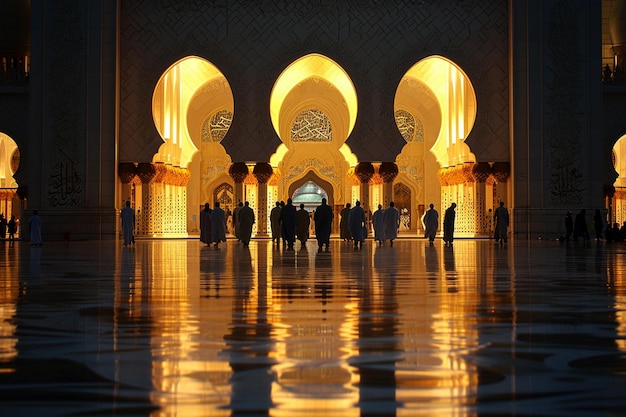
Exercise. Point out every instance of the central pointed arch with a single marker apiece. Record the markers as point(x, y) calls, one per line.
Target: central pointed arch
point(313, 177)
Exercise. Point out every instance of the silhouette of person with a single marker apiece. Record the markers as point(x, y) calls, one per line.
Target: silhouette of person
point(288, 218)
point(323, 219)
point(344, 228)
point(431, 223)
point(35, 229)
point(275, 223)
point(205, 224)
point(378, 219)
point(356, 222)
point(501, 219)
point(448, 224)
point(392, 222)
point(598, 224)
point(569, 225)
point(218, 225)
point(128, 223)
point(303, 221)
point(246, 220)
point(580, 226)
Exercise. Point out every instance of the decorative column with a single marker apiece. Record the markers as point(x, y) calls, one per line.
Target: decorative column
point(146, 173)
point(127, 171)
point(262, 172)
point(364, 172)
point(481, 172)
point(238, 171)
point(388, 171)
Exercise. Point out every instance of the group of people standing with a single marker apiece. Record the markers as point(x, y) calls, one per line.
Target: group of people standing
point(290, 224)
point(431, 224)
point(213, 224)
point(386, 223)
point(9, 227)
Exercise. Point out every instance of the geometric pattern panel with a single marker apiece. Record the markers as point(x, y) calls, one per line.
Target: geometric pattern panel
point(375, 42)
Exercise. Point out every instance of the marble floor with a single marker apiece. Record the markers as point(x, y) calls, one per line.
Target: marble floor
point(176, 328)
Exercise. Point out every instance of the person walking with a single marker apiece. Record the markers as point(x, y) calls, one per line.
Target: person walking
point(569, 225)
point(580, 225)
point(288, 218)
point(3, 227)
point(598, 224)
point(246, 220)
point(128, 224)
point(356, 222)
point(378, 220)
point(392, 222)
point(323, 219)
point(501, 219)
point(431, 223)
point(205, 224)
point(236, 221)
point(218, 225)
point(275, 223)
point(344, 228)
point(448, 224)
point(12, 230)
point(303, 221)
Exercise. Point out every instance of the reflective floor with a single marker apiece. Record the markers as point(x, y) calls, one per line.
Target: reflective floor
point(175, 328)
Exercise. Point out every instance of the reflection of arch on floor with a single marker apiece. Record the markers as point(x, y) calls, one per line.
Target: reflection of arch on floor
point(312, 176)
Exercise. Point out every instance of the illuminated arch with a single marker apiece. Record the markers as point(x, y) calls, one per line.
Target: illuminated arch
point(9, 161)
point(439, 95)
point(314, 82)
point(188, 94)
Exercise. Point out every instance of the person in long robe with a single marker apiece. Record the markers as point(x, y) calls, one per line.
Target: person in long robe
point(378, 219)
point(275, 223)
point(392, 222)
point(218, 225)
point(501, 219)
point(448, 224)
point(323, 219)
point(431, 223)
point(288, 223)
point(246, 220)
point(580, 225)
point(344, 228)
point(128, 224)
point(205, 224)
point(35, 229)
point(303, 220)
point(236, 222)
point(356, 222)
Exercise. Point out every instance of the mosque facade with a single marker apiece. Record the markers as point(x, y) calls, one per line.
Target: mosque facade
point(174, 104)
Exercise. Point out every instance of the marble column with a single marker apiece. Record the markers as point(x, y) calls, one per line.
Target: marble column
point(262, 172)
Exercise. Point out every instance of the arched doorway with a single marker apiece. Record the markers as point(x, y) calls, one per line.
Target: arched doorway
point(9, 163)
point(435, 109)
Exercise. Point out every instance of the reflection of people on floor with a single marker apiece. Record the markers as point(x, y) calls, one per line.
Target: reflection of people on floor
point(448, 224)
point(378, 220)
